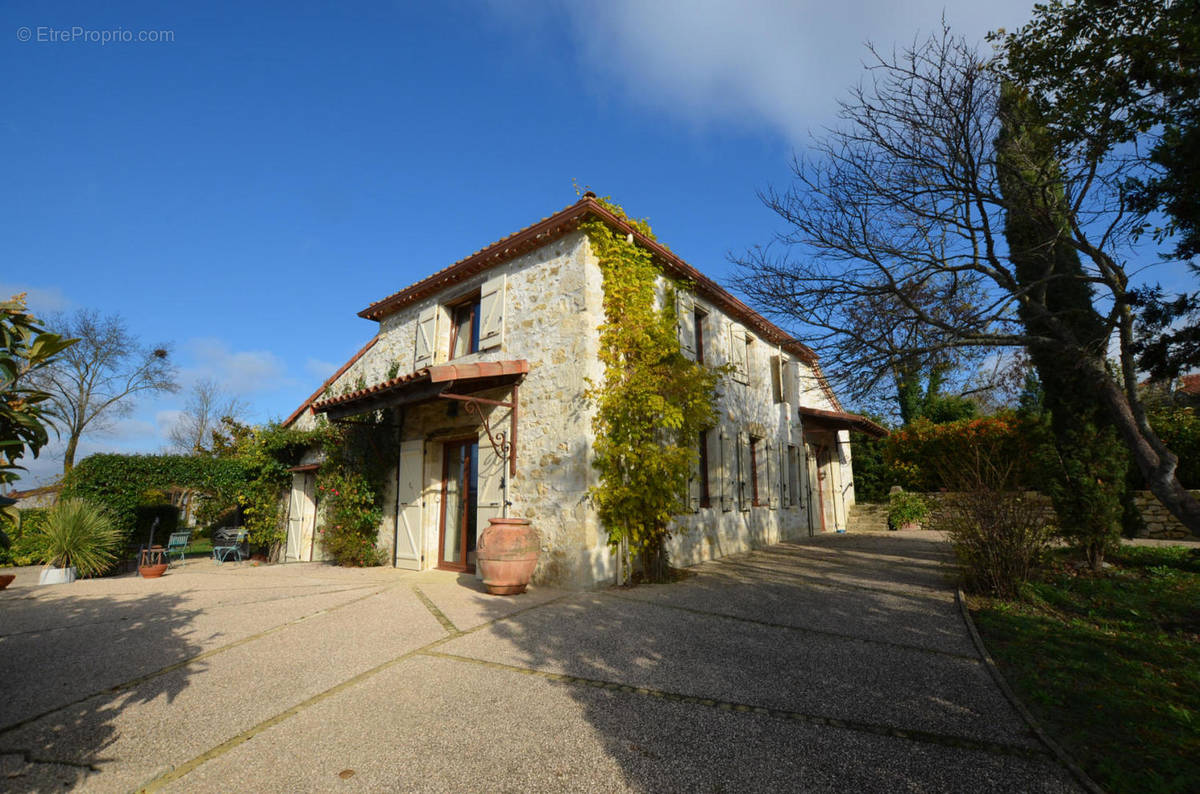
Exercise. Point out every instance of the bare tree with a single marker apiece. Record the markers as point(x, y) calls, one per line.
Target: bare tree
point(93, 381)
point(903, 199)
point(207, 404)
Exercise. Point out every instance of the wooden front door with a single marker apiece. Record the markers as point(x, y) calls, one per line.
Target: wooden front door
point(460, 496)
point(302, 519)
point(410, 496)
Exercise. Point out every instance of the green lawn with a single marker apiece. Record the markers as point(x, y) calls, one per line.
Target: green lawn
point(200, 547)
point(1110, 664)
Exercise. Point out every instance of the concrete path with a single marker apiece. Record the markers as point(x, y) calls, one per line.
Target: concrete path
point(839, 664)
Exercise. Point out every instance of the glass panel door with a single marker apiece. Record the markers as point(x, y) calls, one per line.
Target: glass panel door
point(460, 484)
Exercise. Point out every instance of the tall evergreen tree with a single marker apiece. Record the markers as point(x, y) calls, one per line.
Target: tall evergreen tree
point(1089, 470)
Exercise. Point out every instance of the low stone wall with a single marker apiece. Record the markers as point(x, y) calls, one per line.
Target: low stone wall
point(1159, 524)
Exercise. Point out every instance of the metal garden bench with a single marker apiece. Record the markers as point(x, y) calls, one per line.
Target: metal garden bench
point(226, 543)
point(177, 543)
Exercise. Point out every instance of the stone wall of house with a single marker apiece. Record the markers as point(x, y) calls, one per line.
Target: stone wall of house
point(553, 306)
point(551, 310)
point(732, 523)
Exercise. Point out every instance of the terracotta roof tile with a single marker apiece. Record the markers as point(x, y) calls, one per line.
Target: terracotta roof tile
point(441, 373)
point(555, 226)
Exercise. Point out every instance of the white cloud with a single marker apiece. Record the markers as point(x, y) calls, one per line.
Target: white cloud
point(240, 372)
point(319, 369)
point(773, 61)
point(166, 419)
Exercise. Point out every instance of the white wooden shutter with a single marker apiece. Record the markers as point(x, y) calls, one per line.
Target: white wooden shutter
point(295, 518)
point(737, 353)
point(693, 494)
point(785, 491)
point(426, 337)
point(686, 316)
point(791, 383)
point(728, 471)
point(772, 471)
point(743, 455)
point(410, 485)
point(491, 313)
point(492, 471)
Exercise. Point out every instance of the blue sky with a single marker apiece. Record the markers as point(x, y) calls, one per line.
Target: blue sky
point(243, 190)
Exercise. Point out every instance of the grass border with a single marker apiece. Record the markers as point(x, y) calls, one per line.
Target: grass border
point(1054, 747)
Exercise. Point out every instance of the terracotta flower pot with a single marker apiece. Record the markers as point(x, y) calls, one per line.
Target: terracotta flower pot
point(152, 571)
point(506, 554)
point(6, 579)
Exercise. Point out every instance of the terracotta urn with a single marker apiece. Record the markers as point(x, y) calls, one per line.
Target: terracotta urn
point(152, 571)
point(6, 579)
point(506, 554)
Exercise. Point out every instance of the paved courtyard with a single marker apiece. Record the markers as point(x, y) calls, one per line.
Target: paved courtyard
point(838, 664)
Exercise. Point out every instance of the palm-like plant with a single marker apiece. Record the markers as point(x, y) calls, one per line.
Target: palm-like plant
point(81, 535)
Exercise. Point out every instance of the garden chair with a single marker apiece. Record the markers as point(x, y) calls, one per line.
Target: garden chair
point(177, 543)
point(226, 544)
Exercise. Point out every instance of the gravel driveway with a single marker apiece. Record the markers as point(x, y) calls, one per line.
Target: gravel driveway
point(838, 664)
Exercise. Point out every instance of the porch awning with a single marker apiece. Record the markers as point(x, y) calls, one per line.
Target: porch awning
point(427, 383)
point(839, 420)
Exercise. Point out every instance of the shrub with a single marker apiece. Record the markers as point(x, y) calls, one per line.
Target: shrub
point(351, 518)
point(999, 532)
point(921, 456)
point(25, 536)
point(81, 535)
point(906, 508)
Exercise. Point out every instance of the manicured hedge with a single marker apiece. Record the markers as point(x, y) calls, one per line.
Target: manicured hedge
point(119, 481)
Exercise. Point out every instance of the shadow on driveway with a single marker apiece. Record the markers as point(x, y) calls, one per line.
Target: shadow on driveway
point(56, 650)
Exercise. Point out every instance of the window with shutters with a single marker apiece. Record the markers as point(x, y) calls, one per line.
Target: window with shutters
point(464, 330)
point(698, 316)
point(702, 474)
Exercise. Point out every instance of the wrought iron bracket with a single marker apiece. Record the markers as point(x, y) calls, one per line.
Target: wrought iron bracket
point(504, 444)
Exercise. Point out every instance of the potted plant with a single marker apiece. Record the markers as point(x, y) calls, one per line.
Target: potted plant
point(906, 511)
point(506, 554)
point(80, 539)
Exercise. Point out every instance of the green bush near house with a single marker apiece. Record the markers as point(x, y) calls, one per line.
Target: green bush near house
point(906, 508)
point(27, 540)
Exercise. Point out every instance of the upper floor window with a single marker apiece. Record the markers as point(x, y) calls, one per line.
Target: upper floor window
point(464, 330)
point(698, 330)
point(777, 379)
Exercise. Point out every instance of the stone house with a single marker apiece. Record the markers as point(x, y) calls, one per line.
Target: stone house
point(483, 367)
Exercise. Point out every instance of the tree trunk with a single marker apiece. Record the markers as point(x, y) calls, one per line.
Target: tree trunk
point(69, 455)
point(1158, 470)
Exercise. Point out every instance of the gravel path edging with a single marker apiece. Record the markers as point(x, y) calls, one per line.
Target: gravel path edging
point(1054, 747)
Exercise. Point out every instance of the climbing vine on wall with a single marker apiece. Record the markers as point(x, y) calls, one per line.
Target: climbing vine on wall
point(652, 404)
point(350, 483)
